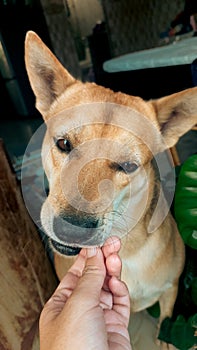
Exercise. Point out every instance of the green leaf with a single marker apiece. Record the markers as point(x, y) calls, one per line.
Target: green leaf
point(165, 330)
point(154, 310)
point(193, 321)
point(185, 201)
point(182, 334)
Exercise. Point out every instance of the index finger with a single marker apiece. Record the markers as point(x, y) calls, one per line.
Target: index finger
point(111, 245)
point(112, 259)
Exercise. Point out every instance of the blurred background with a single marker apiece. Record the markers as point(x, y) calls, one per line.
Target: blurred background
point(82, 34)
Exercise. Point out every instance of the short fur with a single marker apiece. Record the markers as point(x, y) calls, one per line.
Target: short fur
point(151, 262)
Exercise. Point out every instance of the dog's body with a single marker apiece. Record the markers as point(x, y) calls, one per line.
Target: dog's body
point(152, 261)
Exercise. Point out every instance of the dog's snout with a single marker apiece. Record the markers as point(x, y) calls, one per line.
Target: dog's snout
point(75, 230)
point(85, 222)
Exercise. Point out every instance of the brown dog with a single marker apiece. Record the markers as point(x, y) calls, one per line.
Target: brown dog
point(97, 155)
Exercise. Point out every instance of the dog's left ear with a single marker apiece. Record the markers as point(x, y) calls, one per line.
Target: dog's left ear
point(48, 78)
point(177, 114)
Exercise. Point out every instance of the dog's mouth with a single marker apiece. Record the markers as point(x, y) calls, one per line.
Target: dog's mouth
point(64, 249)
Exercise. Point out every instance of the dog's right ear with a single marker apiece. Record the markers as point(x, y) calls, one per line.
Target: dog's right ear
point(48, 78)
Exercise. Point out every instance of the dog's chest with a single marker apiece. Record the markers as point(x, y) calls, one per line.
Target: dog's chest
point(145, 283)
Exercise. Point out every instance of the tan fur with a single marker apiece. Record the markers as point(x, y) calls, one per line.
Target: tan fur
point(151, 262)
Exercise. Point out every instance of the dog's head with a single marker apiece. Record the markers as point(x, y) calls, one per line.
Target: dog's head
point(98, 149)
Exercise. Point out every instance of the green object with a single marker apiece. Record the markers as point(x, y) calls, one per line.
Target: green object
point(180, 329)
point(165, 330)
point(180, 333)
point(154, 310)
point(193, 321)
point(185, 201)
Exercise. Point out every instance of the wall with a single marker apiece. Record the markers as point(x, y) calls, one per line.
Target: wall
point(61, 35)
point(84, 14)
point(131, 24)
point(136, 24)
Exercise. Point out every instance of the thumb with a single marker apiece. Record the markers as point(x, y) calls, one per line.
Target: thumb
point(91, 282)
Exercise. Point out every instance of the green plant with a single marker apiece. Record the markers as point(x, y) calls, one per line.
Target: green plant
point(180, 329)
point(180, 333)
point(185, 201)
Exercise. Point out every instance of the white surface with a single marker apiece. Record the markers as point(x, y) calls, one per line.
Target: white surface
point(177, 53)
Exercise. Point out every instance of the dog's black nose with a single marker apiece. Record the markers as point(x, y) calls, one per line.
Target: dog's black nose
point(78, 231)
point(71, 228)
point(85, 222)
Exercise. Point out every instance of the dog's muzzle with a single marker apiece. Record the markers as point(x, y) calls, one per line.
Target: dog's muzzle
point(64, 249)
point(73, 233)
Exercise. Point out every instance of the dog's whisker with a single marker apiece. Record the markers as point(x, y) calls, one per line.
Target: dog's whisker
point(121, 223)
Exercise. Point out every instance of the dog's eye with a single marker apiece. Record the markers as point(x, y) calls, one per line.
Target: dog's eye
point(128, 167)
point(64, 145)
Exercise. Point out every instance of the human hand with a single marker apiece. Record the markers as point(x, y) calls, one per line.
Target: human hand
point(90, 308)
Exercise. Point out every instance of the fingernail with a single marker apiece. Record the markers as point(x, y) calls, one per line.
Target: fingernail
point(83, 252)
point(91, 252)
